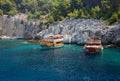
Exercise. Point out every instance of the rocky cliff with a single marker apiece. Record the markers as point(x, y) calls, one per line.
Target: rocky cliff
point(79, 30)
point(19, 26)
point(74, 30)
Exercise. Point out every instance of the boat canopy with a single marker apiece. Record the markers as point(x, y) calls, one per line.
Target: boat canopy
point(56, 37)
point(93, 41)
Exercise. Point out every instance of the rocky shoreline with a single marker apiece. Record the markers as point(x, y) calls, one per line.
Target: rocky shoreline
point(74, 30)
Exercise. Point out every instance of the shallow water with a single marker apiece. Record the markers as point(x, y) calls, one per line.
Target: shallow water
point(22, 61)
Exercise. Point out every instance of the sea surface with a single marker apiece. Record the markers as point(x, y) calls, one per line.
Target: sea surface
point(22, 61)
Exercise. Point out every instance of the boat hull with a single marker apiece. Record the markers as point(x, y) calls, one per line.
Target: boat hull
point(93, 51)
point(50, 47)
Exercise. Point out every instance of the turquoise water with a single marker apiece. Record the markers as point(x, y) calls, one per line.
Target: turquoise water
point(22, 61)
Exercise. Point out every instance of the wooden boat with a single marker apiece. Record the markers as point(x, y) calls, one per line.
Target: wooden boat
point(52, 41)
point(93, 46)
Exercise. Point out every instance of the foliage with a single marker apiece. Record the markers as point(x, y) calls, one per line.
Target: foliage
point(1, 12)
point(54, 10)
point(95, 12)
point(12, 11)
point(30, 16)
point(75, 13)
point(50, 19)
point(84, 13)
point(107, 22)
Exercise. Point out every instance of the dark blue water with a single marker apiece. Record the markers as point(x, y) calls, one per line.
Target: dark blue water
point(21, 61)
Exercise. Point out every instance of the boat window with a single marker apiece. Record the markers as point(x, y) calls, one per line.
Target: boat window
point(96, 44)
point(88, 44)
point(93, 44)
point(58, 42)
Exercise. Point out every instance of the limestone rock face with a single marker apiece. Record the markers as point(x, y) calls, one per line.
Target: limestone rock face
point(0, 31)
point(73, 30)
point(112, 36)
point(77, 30)
point(18, 26)
point(11, 26)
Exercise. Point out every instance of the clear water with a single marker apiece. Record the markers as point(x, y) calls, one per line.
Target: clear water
point(21, 61)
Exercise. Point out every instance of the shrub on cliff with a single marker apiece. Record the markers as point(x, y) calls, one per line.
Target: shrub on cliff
point(50, 19)
point(75, 13)
point(84, 13)
point(1, 12)
point(12, 12)
point(96, 12)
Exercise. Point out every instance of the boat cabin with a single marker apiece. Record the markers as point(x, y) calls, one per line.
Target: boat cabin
point(52, 41)
point(93, 46)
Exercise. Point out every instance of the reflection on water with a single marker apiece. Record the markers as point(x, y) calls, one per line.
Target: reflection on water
point(30, 62)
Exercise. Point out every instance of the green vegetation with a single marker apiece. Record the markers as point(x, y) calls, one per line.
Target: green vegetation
point(75, 13)
point(1, 12)
point(49, 11)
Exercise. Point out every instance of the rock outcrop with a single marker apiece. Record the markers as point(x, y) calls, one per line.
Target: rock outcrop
point(0, 31)
point(18, 26)
point(74, 30)
point(112, 36)
point(79, 30)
